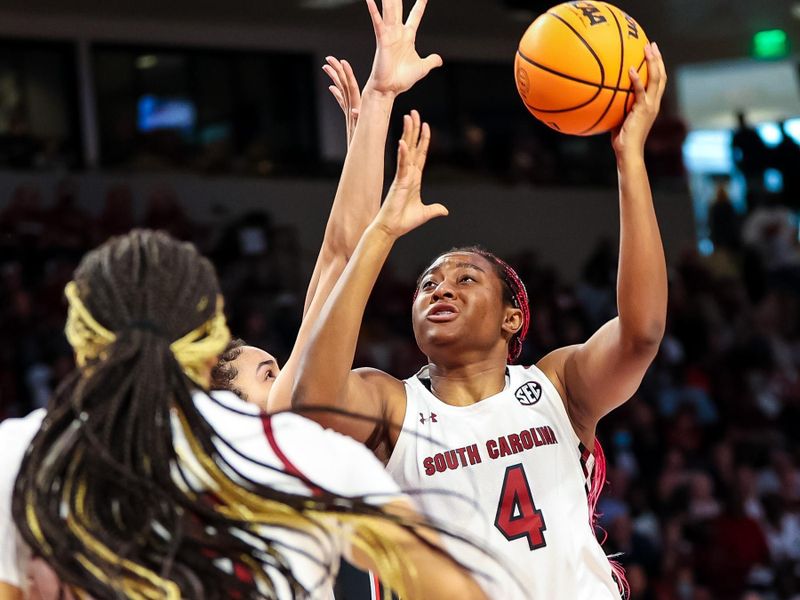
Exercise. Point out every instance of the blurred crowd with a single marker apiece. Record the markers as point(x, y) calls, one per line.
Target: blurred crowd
point(42, 240)
point(703, 500)
point(704, 494)
point(753, 158)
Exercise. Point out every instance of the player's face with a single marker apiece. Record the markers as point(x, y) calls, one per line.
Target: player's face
point(256, 371)
point(459, 306)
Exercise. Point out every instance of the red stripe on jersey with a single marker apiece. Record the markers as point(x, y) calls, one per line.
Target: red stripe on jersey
point(243, 573)
point(585, 454)
point(375, 584)
point(291, 469)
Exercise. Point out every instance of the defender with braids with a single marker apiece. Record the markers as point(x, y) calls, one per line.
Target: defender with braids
point(138, 484)
point(520, 441)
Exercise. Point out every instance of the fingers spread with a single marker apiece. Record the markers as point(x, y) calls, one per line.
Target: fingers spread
point(415, 16)
point(431, 62)
point(392, 12)
point(375, 15)
point(435, 210)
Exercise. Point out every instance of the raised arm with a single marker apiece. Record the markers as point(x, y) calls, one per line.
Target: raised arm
point(345, 90)
point(396, 68)
point(324, 378)
point(604, 372)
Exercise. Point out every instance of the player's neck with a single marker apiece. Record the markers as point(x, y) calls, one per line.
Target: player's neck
point(463, 385)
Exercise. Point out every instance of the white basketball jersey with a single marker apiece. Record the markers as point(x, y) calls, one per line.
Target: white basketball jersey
point(261, 448)
point(510, 473)
point(15, 436)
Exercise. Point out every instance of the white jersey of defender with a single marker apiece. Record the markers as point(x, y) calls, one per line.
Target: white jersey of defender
point(284, 442)
point(15, 436)
point(509, 472)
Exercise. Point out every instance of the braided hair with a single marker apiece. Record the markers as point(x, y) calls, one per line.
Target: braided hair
point(514, 293)
point(106, 493)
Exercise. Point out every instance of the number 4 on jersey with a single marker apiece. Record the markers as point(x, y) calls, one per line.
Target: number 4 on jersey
point(517, 515)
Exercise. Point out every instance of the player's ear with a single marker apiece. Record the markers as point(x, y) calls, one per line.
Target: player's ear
point(512, 321)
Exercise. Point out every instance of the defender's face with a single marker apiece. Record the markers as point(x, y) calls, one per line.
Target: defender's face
point(256, 371)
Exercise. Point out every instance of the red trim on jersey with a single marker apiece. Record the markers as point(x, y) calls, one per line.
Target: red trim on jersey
point(291, 469)
point(375, 585)
point(243, 573)
point(585, 454)
point(587, 484)
point(598, 481)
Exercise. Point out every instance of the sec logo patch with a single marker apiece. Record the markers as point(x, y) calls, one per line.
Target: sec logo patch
point(529, 394)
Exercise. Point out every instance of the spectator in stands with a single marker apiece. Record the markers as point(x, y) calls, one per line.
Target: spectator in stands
point(739, 546)
point(750, 153)
point(787, 161)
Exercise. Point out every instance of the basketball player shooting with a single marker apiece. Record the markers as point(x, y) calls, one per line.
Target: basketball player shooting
point(526, 436)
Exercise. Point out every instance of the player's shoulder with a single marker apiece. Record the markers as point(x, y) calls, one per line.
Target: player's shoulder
point(377, 376)
point(15, 437)
point(388, 386)
point(556, 358)
point(22, 427)
point(553, 366)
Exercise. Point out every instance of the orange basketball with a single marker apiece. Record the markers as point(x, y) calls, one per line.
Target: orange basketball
point(572, 66)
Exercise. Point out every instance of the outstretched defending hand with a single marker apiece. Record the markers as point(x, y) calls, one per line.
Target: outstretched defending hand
point(631, 136)
point(397, 65)
point(403, 210)
point(345, 90)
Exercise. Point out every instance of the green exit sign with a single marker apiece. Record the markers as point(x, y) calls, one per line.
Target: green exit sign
point(772, 43)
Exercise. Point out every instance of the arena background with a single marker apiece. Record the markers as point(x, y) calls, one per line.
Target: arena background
point(212, 120)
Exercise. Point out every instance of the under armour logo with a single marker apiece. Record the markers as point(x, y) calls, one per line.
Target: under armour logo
point(431, 418)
